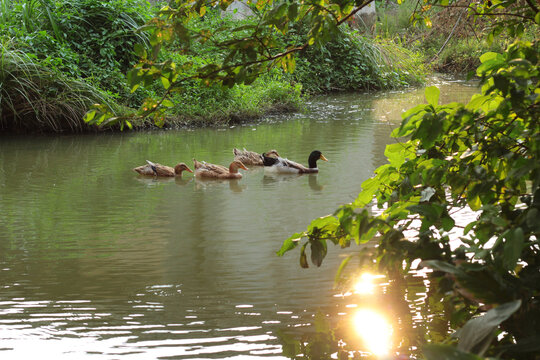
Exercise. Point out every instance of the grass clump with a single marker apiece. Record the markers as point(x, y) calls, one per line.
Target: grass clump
point(463, 55)
point(34, 98)
point(200, 105)
point(353, 62)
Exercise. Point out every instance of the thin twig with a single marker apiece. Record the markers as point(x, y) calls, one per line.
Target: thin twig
point(449, 36)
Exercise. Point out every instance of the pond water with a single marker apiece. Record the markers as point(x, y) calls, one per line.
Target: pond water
point(98, 262)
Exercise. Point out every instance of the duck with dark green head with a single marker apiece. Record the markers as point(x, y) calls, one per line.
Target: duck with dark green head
point(286, 166)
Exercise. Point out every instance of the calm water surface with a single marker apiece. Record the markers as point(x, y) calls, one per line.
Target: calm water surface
point(97, 262)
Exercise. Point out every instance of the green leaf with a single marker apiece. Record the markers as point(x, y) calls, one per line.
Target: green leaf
point(292, 11)
point(430, 211)
point(166, 83)
point(447, 352)
point(140, 51)
point(479, 329)
point(474, 202)
point(489, 56)
point(448, 223)
point(469, 227)
point(303, 258)
point(318, 251)
point(167, 103)
point(342, 267)
point(429, 130)
point(513, 246)
point(327, 223)
point(369, 188)
point(89, 116)
point(442, 266)
point(399, 152)
point(290, 243)
point(432, 95)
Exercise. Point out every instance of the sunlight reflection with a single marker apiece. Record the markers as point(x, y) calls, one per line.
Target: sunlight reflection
point(365, 284)
point(374, 330)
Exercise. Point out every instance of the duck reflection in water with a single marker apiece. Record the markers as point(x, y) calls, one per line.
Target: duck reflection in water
point(314, 182)
point(275, 178)
point(155, 181)
point(270, 178)
point(234, 185)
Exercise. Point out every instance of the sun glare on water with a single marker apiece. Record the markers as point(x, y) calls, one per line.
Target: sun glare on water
point(365, 284)
point(374, 330)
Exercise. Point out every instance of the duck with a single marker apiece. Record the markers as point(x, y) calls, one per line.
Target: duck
point(155, 169)
point(287, 166)
point(212, 171)
point(251, 158)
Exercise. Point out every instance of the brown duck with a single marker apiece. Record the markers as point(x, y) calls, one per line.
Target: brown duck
point(251, 158)
point(212, 171)
point(155, 169)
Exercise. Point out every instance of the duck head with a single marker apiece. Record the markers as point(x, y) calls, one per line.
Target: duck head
point(313, 157)
point(235, 165)
point(272, 153)
point(181, 167)
point(269, 160)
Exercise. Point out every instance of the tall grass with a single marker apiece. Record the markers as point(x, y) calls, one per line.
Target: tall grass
point(352, 62)
point(30, 15)
point(33, 98)
point(395, 20)
point(5, 11)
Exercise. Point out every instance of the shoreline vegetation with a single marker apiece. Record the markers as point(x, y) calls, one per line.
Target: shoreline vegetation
point(58, 58)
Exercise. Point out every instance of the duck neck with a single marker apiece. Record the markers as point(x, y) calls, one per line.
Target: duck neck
point(312, 161)
point(233, 169)
point(178, 170)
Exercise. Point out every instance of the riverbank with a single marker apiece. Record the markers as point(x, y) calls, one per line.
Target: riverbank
point(60, 59)
point(59, 66)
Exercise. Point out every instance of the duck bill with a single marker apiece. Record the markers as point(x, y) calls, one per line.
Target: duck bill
point(188, 169)
point(243, 167)
point(323, 158)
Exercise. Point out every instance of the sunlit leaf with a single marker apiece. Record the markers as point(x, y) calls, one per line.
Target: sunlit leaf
point(432, 95)
point(89, 116)
point(290, 243)
point(165, 82)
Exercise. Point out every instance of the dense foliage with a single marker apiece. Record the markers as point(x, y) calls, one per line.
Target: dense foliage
point(85, 43)
point(484, 158)
point(281, 35)
point(350, 62)
point(55, 48)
